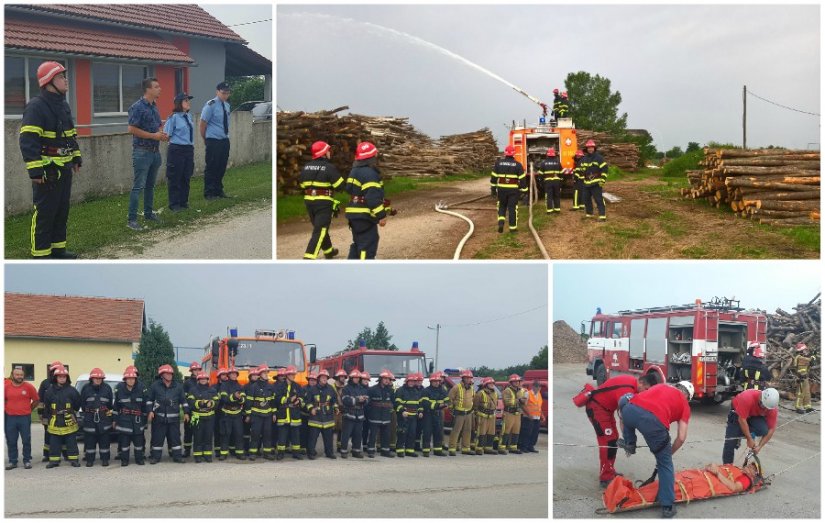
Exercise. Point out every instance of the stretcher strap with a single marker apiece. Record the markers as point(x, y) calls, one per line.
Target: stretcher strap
point(710, 484)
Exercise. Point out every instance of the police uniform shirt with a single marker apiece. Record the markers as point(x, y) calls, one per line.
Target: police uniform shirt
point(180, 129)
point(213, 115)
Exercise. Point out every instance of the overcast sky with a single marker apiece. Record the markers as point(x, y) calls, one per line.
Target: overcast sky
point(680, 69)
point(579, 288)
point(327, 304)
point(259, 35)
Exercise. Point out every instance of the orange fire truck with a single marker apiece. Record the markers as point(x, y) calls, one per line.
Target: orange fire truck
point(531, 144)
point(275, 348)
point(702, 343)
point(399, 362)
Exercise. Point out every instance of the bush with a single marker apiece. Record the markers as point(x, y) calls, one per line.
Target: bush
point(677, 167)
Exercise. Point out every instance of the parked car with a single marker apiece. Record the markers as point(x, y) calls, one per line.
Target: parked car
point(261, 111)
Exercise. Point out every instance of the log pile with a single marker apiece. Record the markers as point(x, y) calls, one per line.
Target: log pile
point(403, 150)
point(773, 186)
point(625, 156)
point(785, 330)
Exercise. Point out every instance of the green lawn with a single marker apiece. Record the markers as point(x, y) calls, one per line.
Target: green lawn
point(101, 222)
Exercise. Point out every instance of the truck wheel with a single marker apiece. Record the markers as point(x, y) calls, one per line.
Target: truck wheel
point(601, 375)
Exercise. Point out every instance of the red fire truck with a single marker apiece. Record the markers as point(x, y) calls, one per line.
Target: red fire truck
point(702, 343)
point(399, 362)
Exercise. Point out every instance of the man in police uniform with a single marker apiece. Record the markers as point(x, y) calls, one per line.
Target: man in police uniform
point(508, 183)
point(319, 179)
point(49, 147)
point(214, 128)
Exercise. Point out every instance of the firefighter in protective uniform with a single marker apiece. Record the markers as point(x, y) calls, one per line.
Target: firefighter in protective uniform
point(564, 105)
point(321, 403)
point(132, 407)
point(594, 174)
point(514, 397)
point(484, 405)
point(230, 406)
point(48, 143)
point(435, 399)
point(461, 403)
point(365, 425)
point(379, 414)
point(556, 103)
point(754, 374)
point(167, 399)
point(61, 403)
point(409, 411)
point(578, 181)
point(97, 401)
point(288, 397)
point(319, 179)
point(41, 393)
point(338, 385)
point(354, 401)
point(508, 183)
point(188, 384)
point(801, 366)
point(203, 403)
point(366, 209)
point(259, 409)
point(550, 170)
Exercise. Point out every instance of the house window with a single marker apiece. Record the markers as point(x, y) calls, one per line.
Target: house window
point(116, 87)
point(28, 370)
point(21, 82)
point(179, 83)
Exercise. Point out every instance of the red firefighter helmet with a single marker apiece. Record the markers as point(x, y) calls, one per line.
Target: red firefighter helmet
point(60, 370)
point(551, 152)
point(365, 375)
point(392, 376)
point(263, 368)
point(222, 371)
point(312, 376)
point(758, 352)
point(341, 372)
point(365, 150)
point(555, 91)
point(590, 143)
point(385, 374)
point(202, 376)
point(324, 372)
point(254, 371)
point(514, 377)
point(165, 369)
point(97, 373)
point(195, 366)
point(509, 150)
point(291, 369)
point(54, 364)
point(230, 370)
point(355, 373)
point(579, 153)
point(467, 373)
point(564, 94)
point(47, 71)
point(487, 381)
point(130, 372)
point(801, 346)
point(435, 376)
point(281, 371)
point(410, 378)
point(319, 149)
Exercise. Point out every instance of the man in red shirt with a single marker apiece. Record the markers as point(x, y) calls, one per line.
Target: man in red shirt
point(600, 405)
point(753, 413)
point(21, 397)
point(652, 412)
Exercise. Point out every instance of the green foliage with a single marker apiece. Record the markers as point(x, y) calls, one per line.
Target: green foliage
point(692, 146)
point(674, 152)
point(593, 105)
point(647, 150)
point(684, 163)
point(156, 349)
point(380, 339)
point(246, 89)
point(539, 361)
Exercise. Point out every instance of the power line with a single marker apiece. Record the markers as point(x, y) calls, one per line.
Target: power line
point(497, 319)
point(780, 105)
point(248, 23)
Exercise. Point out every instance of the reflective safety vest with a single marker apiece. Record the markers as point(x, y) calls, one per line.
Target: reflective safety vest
point(533, 406)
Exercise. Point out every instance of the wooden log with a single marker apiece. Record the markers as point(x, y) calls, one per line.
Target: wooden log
point(782, 195)
point(802, 205)
point(776, 185)
point(749, 153)
point(788, 222)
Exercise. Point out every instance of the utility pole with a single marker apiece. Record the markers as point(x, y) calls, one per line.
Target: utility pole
point(437, 330)
point(744, 117)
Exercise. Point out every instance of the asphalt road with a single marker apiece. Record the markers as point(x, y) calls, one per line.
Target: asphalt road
point(462, 486)
point(576, 493)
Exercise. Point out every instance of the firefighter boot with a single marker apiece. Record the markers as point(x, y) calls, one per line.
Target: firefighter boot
point(53, 464)
point(370, 454)
point(207, 459)
point(439, 453)
point(480, 446)
point(387, 454)
point(514, 437)
point(331, 254)
point(89, 462)
point(138, 459)
point(198, 459)
point(297, 455)
point(425, 453)
point(279, 456)
point(357, 454)
point(75, 462)
point(488, 445)
point(502, 446)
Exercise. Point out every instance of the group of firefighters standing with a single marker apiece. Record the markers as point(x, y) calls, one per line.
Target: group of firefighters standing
point(650, 407)
point(272, 418)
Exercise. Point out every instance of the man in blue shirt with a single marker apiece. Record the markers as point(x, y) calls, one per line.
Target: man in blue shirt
point(144, 126)
point(214, 128)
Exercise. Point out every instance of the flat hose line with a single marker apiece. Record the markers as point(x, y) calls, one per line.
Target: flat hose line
point(530, 216)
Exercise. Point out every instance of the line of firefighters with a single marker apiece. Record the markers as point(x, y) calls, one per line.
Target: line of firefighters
point(645, 405)
point(271, 419)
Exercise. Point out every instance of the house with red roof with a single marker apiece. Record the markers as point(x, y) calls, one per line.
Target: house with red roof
point(109, 49)
point(81, 332)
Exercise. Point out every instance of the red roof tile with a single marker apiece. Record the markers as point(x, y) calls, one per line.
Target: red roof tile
point(178, 18)
point(93, 42)
point(73, 317)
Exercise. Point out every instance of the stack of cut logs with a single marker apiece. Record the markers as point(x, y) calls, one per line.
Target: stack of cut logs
point(785, 330)
point(625, 156)
point(774, 186)
point(403, 150)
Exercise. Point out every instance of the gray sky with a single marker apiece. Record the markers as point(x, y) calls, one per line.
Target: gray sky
point(258, 35)
point(327, 304)
point(680, 69)
point(579, 288)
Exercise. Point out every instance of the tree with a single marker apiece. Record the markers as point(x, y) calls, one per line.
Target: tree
point(155, 350)
point(675, 152)
point(692, 146)
point(246, 89)
point(378, 340)
point(592, 105)
point(539, 361)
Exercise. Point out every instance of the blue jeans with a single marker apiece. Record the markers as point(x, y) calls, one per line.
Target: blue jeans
point(758, 427)
point(22, 426)
point(145, 164)
point(657, 438)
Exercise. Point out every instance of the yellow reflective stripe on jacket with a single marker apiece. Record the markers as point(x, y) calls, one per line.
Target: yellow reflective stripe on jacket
point(312, 183)
point(34, 164)
point(46, 134)
point(313, 198)
point(354, 181)
point(367, 185)
point(377, 209)
point(70, 132)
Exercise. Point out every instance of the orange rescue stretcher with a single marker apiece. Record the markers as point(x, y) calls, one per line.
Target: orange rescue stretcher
point(621, 495)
